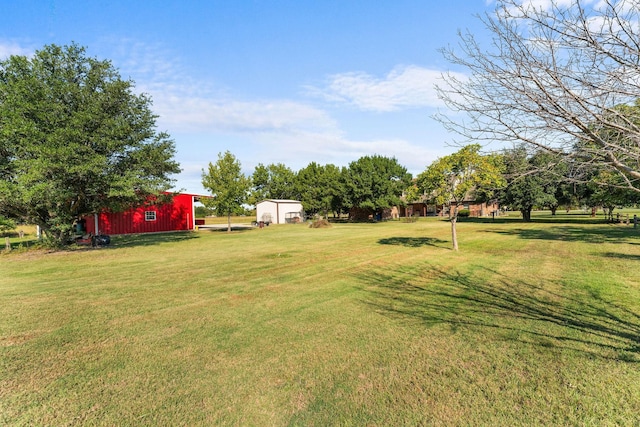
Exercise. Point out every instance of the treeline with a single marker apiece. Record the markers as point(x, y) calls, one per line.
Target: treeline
point(519, 179)
point(542, 179)
point(370, 184)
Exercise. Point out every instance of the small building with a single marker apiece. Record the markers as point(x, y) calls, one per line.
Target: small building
point(176, 215)
point(273, 211)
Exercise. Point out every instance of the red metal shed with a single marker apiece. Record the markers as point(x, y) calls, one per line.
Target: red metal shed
point(177, 215)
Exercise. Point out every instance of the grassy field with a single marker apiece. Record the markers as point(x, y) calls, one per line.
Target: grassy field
point(358, 324)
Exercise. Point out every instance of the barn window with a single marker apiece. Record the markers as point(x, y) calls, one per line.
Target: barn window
point(150, 215)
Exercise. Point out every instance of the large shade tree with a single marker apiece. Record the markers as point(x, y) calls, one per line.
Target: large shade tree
point(375, 183)
point(320, 188)
point(74, 140)
point(532, 180)
point(273, 181)
point(553, 75)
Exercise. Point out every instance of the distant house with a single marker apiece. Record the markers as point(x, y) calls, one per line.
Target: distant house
point(176, 215)
point(423, 208)
point(275, 211)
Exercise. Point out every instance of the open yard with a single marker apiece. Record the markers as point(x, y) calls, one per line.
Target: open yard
point(358, 324)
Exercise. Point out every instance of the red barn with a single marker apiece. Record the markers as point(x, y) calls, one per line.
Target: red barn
point(177, 215)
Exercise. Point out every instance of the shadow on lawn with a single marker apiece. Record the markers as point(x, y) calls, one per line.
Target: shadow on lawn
point(599, 234)
point(149, 239)
point(627, 257)
point(540, 219)
point(412, 242)
point(515, 310)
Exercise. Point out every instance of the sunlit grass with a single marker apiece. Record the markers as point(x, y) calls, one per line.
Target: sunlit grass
point(357, 324)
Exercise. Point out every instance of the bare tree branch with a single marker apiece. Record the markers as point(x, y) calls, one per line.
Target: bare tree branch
point(556, 78)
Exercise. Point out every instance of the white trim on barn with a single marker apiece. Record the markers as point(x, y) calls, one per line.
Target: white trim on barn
point(279, 211)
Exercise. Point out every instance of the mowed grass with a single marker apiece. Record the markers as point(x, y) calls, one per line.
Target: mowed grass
point(358, 324)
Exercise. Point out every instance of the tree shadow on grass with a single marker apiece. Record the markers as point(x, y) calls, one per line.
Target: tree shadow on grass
point(539, 219)
point(413, 242)
point(549, 315)
point(602, 234)
point(149, 239)
point(628, 257)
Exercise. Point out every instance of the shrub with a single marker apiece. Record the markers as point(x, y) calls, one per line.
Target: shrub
point(463, 213)
point(320, 223)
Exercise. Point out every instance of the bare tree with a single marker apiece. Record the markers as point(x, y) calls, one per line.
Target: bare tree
point(559, 75)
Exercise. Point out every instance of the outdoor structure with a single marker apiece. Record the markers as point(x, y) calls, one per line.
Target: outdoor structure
point(475, 208)
point(274, 211)
point(176, 215)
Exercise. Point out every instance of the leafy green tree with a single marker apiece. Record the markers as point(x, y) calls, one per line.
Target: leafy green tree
point(228, 186)
point(6, 224)
point(274, 181)
point(75, 140)
point(451, 179)
point(319, 188)
point(202, 211)
point(608, 190)
point(412, 194)
point(532, 180)
point(375, 183)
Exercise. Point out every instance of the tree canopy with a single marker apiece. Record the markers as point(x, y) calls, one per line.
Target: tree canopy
point(273, 181)
point(75, 140)
point(228, 186)
point(553, 74)
point(456, 177)
point(320, 188)
point(532, 180)
point(375, 183)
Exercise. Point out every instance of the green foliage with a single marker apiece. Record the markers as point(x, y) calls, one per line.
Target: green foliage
point(6, 224)
point(464, 213)
point(203, 211)
point(228, 186)
point(607, 189)
point(532, 180)
point(412, 194)
point(459, 176)
point(274, 181)
point(374, 183)
point(75, 139)
point(456, 177)
point(320, 188)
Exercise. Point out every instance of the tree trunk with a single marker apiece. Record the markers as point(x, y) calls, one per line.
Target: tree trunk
point(228, 223)
point(526, 214)
point(454, 233)
point(553, 210)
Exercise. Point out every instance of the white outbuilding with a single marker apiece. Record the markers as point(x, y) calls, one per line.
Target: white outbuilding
point(274, 211)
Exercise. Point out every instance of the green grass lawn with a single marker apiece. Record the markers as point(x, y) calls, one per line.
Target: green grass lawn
point(358, 324)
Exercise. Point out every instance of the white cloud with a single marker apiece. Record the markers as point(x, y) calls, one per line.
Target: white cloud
point(9, 48)
point(298, 149)
point(404, 87)
point(186, 113)
point(186, 104)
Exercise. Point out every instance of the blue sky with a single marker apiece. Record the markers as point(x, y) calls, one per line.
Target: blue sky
point(271, 81)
